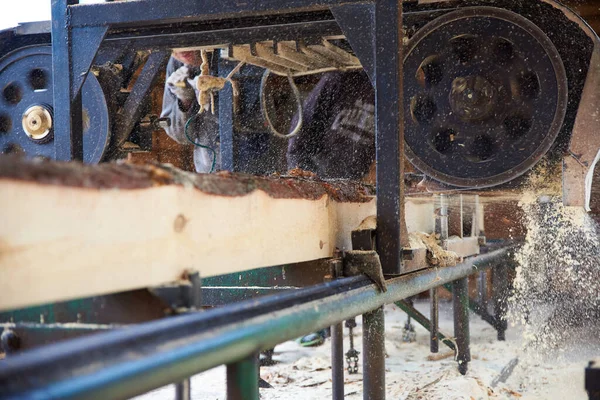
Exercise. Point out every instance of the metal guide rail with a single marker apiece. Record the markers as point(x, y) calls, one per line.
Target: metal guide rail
point(130, 361)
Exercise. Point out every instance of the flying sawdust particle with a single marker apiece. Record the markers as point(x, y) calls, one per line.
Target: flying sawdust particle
point(556, 288)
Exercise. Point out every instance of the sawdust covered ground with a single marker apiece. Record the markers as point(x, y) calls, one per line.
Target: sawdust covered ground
point(304, 373)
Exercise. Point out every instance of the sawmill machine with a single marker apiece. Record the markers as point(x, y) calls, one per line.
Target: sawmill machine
point(490, 87)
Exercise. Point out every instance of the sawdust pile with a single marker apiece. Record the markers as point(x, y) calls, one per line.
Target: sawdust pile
point(557, 285)
point(436, 255)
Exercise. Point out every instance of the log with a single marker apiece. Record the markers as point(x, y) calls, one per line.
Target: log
point(69, 230)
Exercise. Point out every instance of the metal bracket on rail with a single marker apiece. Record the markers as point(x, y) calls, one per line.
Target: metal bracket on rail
point(366, 262)
point(182, 296)
point(363, 259)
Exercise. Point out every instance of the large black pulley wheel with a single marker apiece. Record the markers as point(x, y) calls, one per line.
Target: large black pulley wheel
point(26, 107)
point(485, 97)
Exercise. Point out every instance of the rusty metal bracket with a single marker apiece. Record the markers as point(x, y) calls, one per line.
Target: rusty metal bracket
point(185, 295)
point(363, 259)
point(357, 262)
point(363, 237)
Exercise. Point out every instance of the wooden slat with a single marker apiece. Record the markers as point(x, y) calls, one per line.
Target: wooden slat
point(62, 241)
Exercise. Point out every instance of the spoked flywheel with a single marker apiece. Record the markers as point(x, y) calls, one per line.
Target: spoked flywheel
point(485, 96)
point(26, 107)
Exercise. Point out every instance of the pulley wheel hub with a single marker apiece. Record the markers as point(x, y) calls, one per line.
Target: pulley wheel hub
point(472, 98)
point(486, 96)
point(26, 107)
point(37, 123)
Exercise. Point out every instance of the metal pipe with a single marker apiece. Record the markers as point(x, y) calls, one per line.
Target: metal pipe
point(460, 298)
point(183, 390)
point(434, 344)
point(500, 288)
point(337, 361)
point(374, 355)
point(127, 362)
point(242, 379)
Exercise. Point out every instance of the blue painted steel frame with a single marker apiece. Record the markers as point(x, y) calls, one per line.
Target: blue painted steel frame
point(69, 138)
point(79, 29)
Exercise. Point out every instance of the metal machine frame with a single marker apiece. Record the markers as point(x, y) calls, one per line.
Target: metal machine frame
point(78, 31)
point(374, 30)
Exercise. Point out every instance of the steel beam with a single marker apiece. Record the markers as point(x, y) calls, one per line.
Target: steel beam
point(127, 362)
point(389, 135)
point(68, 137)
point(356, 20)
point(150, 11)
point(131, 112)
point(195, 37)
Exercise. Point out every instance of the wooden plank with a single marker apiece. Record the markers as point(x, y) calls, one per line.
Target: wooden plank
point(70, 231)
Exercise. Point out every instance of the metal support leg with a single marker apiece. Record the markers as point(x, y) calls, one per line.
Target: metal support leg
point(482, 289)
point(337, 361)
point(183, 390)
point(478, 309)
point(460, 297)
point(434, 343)
point(337, 341)
point(242, 379)
point(374, 355)
point(500, 288)
point(391, 232)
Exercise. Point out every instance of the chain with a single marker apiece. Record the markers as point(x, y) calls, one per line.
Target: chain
point(352, 354)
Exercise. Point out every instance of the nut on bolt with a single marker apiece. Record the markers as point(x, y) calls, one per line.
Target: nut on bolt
point(9, 341)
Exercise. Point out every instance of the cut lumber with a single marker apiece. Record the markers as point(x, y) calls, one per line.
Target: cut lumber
point(69, 230)
point(440, 356)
